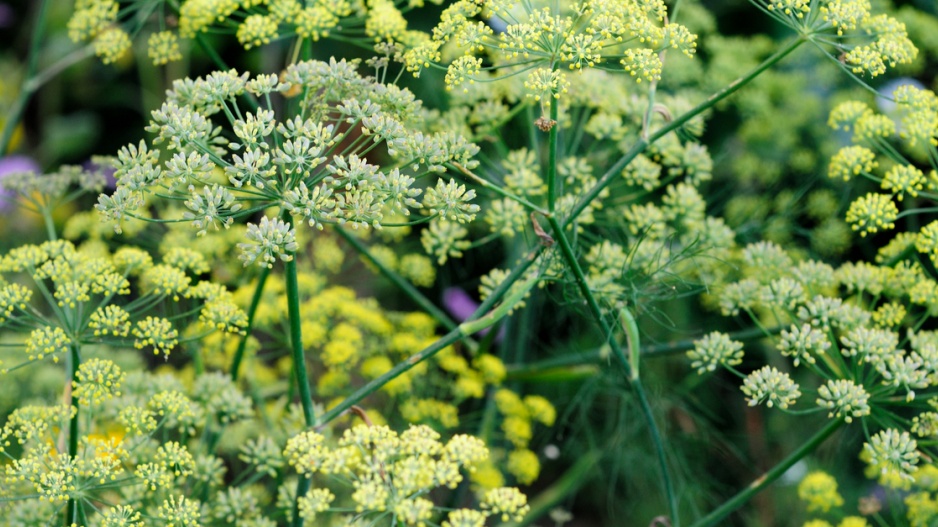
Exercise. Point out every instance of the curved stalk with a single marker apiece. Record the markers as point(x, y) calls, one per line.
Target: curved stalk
point(766, 479)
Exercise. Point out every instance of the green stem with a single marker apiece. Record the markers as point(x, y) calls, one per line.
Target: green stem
point(552, 157)
point(399, 281)
point(477, 321)
point(650, 351)
point(631, 375)
point(630, 328)
point(299, 367)
point(74, 361)
point(302, 487)
point(395, 372)
point(496, 188)
point(296, 342)
point(221, 65)
point(766, 479)
point(711, 101)
point(49, 73)
point(32, 63)
point(49, 223)
point(252, 311)
point(197, 363)
point(212, 54)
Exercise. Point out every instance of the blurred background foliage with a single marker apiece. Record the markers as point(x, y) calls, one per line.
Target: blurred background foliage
point(770, 145)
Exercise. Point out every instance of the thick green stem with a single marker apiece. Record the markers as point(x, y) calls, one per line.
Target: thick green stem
point(299, 366)
point(711, 101)
point(74, 361)
point(296, 342)
point(766, 479)
point(32, 63)
point(479, 320)
point(302, 487)
point(49, 223)
point(633, 379)
point(252, 311)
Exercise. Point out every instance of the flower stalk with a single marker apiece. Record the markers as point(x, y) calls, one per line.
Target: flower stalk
point(252, 311)
point(296, 342)
point(610, 175)
point(74, 362)
point(631, 377)
point(760, 483)
point(479, 320)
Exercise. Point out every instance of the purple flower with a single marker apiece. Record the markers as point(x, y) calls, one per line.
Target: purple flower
point(462, 306)
point(459, 303)
point(17, 163)
point(10, 165)
point(7, 18)
point(107, 171)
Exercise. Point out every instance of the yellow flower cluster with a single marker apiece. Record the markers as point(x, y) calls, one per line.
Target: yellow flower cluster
point(819, 490)
point(98, 380)
point(867, 42)
point(874, 212)
point(257, 23)
point(392, 472)
point(583, 35)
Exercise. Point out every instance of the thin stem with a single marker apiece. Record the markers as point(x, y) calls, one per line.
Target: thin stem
point(663, 349)
point(633, 379)
point(32, 63)
point(399, 281)
point(552, 157)
point(480, 319)
point(74, 362)
point(57, 67)
point(532, 129)
point(212, 54)
point(496, 188)
point(221, 65)
point(252, 311)
point(711, 101)
point(764, 480)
